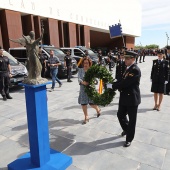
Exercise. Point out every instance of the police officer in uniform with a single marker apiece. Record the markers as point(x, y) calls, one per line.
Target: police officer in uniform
point(120, 67)
point(167, 55)
point(129, 96)
point(110, 59)
point(68, 65)
point(100, 57)
point(5, 74)
point(159, 78)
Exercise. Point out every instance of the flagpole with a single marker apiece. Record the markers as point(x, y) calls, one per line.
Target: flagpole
point(122, 35)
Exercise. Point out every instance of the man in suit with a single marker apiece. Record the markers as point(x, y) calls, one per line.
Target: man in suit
point(129, 96)
point(120, 67)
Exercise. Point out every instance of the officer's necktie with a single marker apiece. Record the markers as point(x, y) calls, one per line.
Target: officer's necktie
point(159, 61)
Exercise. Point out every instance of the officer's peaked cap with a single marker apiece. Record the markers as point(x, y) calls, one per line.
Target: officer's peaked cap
point(130, 54)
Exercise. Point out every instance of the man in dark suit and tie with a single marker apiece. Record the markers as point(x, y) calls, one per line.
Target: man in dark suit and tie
point(129, 96)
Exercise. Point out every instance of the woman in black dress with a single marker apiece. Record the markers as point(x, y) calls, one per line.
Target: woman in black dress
point(159, 78)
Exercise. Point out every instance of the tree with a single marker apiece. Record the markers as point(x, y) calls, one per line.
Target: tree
point(151, 46)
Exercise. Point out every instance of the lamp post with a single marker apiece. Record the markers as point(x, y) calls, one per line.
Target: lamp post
point(167, 37)
point(140, 45)
point(42, 27)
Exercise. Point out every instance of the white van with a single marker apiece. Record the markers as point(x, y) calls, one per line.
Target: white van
point(79, 51)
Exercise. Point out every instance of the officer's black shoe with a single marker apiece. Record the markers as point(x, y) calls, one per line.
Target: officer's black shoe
point(69, 81)
point(4, 98)
point(8, 96)
point(127, 144)
point(123, 133)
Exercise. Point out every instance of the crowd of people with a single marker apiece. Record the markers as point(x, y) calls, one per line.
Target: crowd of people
point(127, 76)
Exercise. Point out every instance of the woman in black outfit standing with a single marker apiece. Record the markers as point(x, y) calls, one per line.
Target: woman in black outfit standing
point(159, 78)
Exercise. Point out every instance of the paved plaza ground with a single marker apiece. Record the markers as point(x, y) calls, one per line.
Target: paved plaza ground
point(98, 144)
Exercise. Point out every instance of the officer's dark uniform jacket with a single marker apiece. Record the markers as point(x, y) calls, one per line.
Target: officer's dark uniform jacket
point(159, 74)
point(129, 87)
point(120, 69)
point(4, 76)
point(100, 58)
point(68, 60)
point(4, 61)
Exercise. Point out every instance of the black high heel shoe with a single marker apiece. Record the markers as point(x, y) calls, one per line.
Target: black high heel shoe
point(85, 121)
point(98, 113)
point(155, 107)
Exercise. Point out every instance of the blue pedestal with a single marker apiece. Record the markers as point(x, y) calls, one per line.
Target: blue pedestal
point(40, 155)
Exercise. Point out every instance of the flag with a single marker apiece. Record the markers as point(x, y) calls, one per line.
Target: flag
point(115, 30)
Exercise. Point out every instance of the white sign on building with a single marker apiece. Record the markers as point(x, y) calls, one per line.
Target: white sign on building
point(99, 14)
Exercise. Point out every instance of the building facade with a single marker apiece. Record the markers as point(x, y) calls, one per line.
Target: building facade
point(68, 24)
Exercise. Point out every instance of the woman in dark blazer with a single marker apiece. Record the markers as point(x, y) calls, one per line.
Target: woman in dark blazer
point(159, 79)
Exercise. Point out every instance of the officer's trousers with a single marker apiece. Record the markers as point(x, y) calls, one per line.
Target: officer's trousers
point(4, 84)
point(69, 73)
point(128, 125)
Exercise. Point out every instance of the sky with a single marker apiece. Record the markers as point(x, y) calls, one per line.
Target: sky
point(155, 23)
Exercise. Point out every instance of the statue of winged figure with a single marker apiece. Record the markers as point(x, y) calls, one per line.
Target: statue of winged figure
point(33, 65)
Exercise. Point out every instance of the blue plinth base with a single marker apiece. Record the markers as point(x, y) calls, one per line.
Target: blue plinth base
point(58, 161)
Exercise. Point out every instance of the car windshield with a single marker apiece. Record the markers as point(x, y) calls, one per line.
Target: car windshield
point(57, 52)
point(12, 60)
point(90, 52)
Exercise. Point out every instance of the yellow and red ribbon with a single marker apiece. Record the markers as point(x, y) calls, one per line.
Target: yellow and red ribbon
point(100, 86)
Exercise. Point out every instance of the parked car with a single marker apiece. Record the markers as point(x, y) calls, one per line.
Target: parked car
point(20, 54)
point(79, 51)
point(18, 70)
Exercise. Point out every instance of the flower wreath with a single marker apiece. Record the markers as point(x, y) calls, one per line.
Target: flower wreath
point(102, 73)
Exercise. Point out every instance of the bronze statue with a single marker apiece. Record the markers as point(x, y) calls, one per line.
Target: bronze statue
point(33, 63)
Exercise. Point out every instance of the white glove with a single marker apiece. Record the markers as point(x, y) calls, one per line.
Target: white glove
point(166, 82)
point(109, 86)
point(151, 80)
